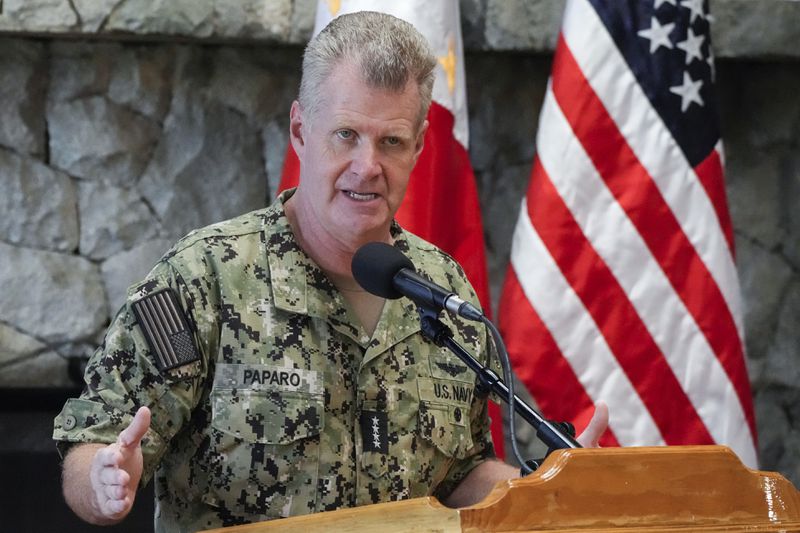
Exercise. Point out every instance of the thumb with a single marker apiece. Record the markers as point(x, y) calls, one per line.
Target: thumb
point(597, 426)
point(131, 436)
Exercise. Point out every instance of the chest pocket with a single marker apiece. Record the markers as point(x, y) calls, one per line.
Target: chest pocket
point(426, 436)
point(444, 415)
point(265, 452)
point(267, 417)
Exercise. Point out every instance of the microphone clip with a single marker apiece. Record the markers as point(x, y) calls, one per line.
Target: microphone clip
point(433, 329)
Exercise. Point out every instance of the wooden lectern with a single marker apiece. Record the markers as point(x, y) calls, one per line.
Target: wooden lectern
point(675, 489)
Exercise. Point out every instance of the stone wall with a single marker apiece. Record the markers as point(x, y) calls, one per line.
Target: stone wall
point(108, 153)
point(111, 149)
point(498, 25)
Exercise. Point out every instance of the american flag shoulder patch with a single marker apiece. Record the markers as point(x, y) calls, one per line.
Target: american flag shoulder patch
point(164, 325)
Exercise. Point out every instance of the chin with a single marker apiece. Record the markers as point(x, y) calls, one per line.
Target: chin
point(369, 232)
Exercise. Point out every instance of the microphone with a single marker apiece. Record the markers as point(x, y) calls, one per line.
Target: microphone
point(384, 271)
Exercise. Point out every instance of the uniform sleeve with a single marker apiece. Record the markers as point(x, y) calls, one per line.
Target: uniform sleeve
point(124, 374)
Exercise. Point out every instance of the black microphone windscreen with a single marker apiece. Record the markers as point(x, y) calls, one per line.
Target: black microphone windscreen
point(374, 266)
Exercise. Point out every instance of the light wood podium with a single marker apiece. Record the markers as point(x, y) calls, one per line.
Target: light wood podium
point(659, 489)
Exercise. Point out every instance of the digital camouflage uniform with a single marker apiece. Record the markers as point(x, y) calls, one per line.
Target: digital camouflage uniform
point(290, 407)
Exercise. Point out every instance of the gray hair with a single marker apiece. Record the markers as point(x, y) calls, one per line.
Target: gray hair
point(387, 51)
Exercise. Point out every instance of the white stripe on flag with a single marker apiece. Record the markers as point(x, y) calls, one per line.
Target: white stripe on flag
point(616, 240)
point(578, 337)
point(607, 72)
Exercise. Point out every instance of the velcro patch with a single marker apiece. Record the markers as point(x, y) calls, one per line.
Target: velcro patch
point(166, 330)
point(375, 431)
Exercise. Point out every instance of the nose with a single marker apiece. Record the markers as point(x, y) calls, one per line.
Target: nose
point(366, 161)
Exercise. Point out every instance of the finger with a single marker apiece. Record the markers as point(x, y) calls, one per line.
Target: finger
point(114, 476)
point(114, 508)
point(597, 426)
point(115, 492)
point(131, 436)
point(108, 456)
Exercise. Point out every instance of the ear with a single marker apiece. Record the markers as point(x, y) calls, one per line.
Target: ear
point(420, 141)
point(296, 132)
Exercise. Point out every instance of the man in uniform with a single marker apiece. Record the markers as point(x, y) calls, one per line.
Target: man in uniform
point(250, 374)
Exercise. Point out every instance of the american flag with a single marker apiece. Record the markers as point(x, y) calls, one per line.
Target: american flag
point(622, 284)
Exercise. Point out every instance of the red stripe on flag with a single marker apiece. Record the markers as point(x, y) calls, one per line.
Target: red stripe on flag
point(617, 319)
point(643, 203)
point(539, 363)
point(711, 177)
point(441, 203)
point(291, 170)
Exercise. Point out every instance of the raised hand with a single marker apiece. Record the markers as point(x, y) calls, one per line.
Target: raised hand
point(590, 436)
point(117, 468)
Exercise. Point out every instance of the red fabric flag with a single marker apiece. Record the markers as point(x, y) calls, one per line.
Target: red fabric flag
point(441, 203)
point(622, 285)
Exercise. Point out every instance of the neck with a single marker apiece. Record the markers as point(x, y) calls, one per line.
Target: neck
point(332, 253)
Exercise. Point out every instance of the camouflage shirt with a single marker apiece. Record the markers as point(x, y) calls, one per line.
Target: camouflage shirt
point(289, 407)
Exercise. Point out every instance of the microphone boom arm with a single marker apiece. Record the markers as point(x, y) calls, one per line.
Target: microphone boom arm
point(437, 332)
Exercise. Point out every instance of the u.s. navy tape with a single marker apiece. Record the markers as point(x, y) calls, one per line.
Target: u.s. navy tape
point(166, 330)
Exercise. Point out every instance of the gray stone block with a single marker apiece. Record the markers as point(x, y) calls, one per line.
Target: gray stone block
point(239, 19)
point(783, 354)
point(766, 28)
point(754, 193)
point(765, 277)
point(22, 92)
point(112, 219)
point(96, 139)
point(163, 17)
point(140, 79)
point(504, 114)
point(81, 69)
point(790, 219)
point(55, 297)
point(529, 25)
point(16, 346)
point(94, 13)
point(522, 24)
point(260, 92)
point(207, 167)
point(302, 21)
point(761, 107)
point(122, 270)
point(773, 424)
point(473, 23)
point(789, 465)
point(45, 370)
point(253, 19)
point(39, 204)
point(38, 16)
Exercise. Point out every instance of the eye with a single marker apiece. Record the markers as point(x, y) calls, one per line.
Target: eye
point(392, 141)
point(344, 134)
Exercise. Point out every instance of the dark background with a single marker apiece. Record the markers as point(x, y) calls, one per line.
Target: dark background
point(30, 470)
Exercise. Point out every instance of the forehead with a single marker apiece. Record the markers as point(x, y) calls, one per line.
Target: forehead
point(346, 93)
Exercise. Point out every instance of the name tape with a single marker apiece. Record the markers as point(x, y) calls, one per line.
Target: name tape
point(267, 378)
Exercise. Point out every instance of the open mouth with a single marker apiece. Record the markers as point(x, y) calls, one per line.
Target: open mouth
point(360, 197)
